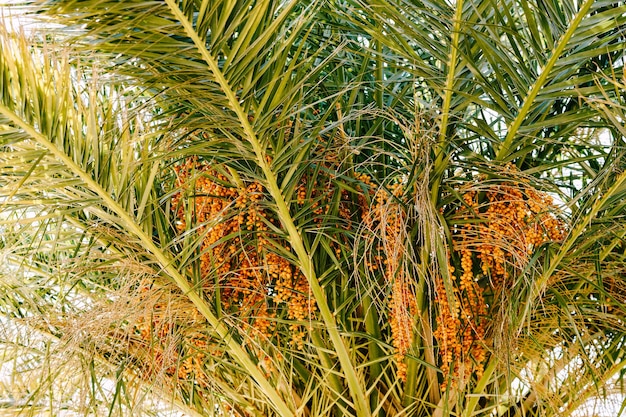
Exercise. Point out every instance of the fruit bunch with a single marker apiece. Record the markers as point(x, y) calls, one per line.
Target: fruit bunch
point(386, 221)
point(239, 251)
point(495, 232)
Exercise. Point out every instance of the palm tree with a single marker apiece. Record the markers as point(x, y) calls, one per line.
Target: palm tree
point(314, 208)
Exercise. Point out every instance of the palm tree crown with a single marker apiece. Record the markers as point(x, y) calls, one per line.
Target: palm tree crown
point(314, 208)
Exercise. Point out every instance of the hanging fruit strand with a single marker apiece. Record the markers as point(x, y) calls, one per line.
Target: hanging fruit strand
point(493, 241)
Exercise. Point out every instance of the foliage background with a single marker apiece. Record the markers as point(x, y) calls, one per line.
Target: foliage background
point(359, 147)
